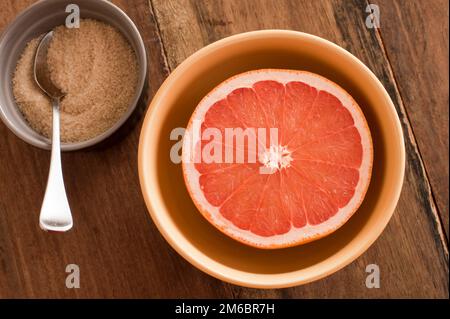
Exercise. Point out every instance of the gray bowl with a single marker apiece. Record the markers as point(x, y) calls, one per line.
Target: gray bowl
point(38, 19)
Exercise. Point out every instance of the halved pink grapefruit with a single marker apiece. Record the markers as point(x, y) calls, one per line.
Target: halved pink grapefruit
point(302, 187)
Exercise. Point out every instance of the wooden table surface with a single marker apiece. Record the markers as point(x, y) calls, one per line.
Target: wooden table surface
point(116, 245)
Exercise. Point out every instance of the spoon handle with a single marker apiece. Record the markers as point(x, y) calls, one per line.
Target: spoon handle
point(55, 210)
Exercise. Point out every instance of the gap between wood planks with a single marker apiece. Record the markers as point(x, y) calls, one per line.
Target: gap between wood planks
point(409, 129)
point(431, 198)
point(160, 38)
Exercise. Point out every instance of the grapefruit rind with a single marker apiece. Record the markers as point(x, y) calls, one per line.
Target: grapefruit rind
point(295, 236)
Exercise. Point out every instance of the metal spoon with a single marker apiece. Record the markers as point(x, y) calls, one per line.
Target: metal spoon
point(55, 211)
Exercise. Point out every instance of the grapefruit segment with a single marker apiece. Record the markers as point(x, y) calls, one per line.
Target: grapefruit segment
point(244, 105)
point(298, 187)
point(342, 148)
point(299, 101)
point(275, 220)
point(241, 207)
point(270, 95)
point(338, 182)
point(218, 185)
point(292, 199)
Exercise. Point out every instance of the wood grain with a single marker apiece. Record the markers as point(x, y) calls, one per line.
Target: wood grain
point(415, 35)
point(118, 248)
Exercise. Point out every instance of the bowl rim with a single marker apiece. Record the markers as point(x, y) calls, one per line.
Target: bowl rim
point(46, 143)
point(199, 259)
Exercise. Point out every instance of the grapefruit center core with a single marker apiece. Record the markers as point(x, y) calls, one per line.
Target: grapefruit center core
point(276, 157)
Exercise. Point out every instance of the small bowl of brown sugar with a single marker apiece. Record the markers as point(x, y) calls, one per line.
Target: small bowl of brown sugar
point(99, 62)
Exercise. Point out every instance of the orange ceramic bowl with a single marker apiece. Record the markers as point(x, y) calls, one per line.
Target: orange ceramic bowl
point(202, 244)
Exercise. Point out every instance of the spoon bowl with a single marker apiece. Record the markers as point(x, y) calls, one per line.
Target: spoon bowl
point(42, 74)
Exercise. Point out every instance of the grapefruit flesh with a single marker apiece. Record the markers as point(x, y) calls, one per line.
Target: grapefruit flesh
point(316, 172)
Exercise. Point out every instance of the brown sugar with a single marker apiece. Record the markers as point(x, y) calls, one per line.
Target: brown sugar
point(95, 67)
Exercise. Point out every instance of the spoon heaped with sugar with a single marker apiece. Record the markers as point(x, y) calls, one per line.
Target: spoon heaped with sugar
point(55, 211)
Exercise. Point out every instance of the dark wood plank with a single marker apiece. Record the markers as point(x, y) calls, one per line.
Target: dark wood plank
point(117, 247)
point(415, 34)
point(408, 269)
